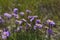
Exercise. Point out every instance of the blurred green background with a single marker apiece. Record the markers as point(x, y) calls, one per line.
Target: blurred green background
point(42, 8)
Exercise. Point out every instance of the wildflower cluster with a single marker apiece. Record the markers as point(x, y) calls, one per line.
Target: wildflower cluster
point(25, 23)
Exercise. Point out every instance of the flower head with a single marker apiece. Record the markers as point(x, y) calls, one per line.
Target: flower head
point(5, 34)
point(35, 27)
point(7, 15)
point(16, 15)
point(18, 22)
point(22, 13)
point(1, 21)
point(28, 11)
point(15, 10)
point(8, 33)
point(39, 26)
point(29, 17)
point(32, 18)
point(38, 21)
point(50, 22)
point(50, 31)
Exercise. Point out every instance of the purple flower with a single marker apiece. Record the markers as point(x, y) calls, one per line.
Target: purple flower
point(31, 19)
point(15, 10)
point(16, 15)
point(1, 21)
point(39, 25)
point(50, 22)
point(49, 31)
point(5, 34)
point(22, 13)
point(38, 21)
point(28, 11)
point(7, 15)
point(18, 22)
point(35, 27)
point(8, 33)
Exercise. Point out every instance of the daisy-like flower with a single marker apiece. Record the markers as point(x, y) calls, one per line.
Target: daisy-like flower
point(15, 10)
point(22, 13)
point(7, 15)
